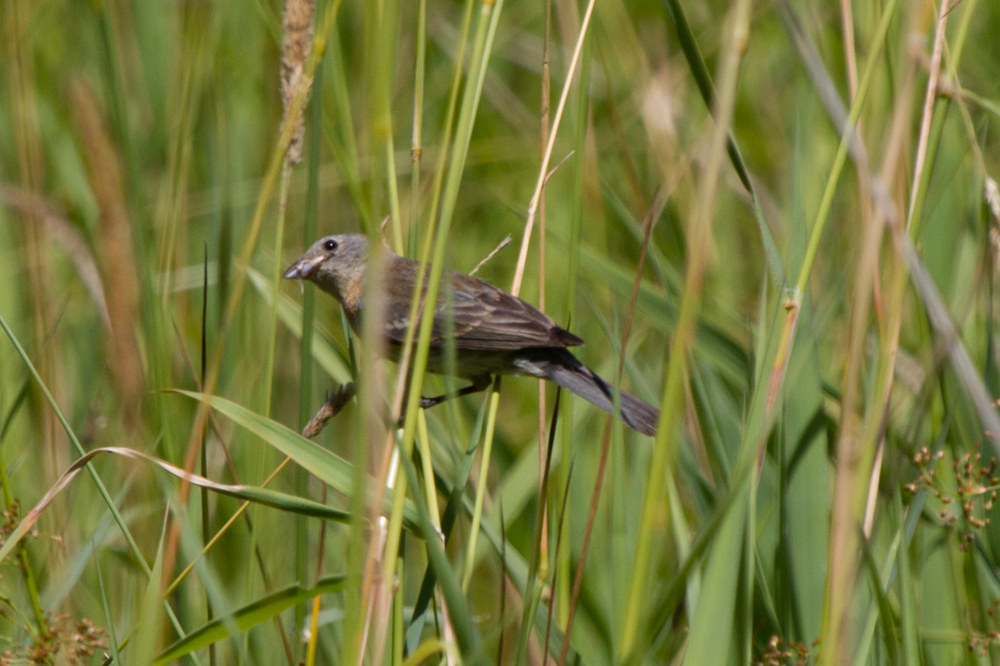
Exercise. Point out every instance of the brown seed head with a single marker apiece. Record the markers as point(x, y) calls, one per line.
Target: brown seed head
point(115, 246)
point(298, 23)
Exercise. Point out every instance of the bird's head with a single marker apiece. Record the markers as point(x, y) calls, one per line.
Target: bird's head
point(336, 264)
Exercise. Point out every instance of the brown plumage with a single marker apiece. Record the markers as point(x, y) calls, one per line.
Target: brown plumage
point(495, 333)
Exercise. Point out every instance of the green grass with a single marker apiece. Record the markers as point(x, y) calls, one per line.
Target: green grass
point(788, 292)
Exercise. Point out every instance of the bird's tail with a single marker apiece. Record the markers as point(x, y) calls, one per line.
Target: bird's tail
point(567, 371)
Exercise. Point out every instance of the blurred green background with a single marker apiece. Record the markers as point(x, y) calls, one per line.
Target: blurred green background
point(145, 216)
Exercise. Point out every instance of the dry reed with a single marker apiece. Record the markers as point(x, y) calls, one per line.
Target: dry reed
point(61, 230)
point(115, 247)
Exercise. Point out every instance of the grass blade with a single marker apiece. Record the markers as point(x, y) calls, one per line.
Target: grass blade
point(248, 616)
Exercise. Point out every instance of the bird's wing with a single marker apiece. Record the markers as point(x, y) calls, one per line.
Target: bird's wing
point(486, 318)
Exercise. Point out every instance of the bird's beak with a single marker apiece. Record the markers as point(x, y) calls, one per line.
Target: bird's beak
point(302, 268)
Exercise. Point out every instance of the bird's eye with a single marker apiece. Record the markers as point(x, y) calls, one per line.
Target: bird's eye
point(330, 245)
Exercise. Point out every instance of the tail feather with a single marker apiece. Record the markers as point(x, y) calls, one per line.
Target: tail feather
point(567, 371)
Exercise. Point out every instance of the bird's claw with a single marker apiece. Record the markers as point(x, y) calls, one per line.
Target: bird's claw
point(425, 403)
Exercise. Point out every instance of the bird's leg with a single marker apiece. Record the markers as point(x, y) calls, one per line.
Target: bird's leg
point(479, 383)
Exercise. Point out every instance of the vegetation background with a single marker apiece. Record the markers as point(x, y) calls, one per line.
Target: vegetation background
point(813, 309)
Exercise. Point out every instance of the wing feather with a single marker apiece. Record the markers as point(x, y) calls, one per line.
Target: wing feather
point(486, 318)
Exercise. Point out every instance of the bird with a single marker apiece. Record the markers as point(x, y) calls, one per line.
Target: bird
point(495, 333)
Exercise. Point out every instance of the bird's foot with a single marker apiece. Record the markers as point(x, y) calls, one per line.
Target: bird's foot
point(427, 403)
